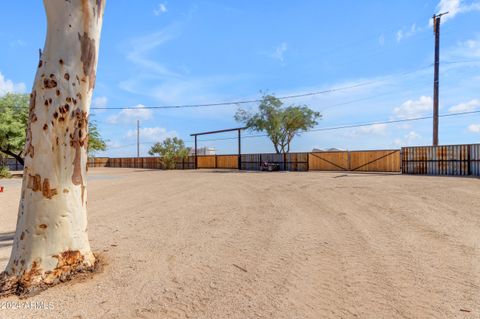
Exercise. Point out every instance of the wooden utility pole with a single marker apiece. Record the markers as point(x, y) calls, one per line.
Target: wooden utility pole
point(436, 30)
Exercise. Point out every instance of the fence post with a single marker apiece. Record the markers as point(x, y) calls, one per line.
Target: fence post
point(349, 155)
point(469, 162)
point(239, 149)
point(196, 155)
point(401, 160)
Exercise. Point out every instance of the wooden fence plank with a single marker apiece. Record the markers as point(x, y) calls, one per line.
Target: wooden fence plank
point(227, 161)
point(206, 161)
point(328, 161)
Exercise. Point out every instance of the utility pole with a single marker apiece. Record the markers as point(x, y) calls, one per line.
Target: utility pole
point(138, 138)
point(436, 30)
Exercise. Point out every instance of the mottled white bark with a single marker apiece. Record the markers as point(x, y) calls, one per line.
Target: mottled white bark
point(51, 241)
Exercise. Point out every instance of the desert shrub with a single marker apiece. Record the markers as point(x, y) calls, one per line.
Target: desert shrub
point(170, 150)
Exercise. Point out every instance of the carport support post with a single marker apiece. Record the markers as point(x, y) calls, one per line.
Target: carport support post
point(239, 149)
point(196, 158)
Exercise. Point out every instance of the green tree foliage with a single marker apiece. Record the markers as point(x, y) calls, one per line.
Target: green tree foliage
point(95, 141)
point(13, 123)
point(281, 123)
point(13, 127)
point(169, 150)
point(4, 173)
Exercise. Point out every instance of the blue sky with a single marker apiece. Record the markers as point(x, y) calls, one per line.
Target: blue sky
point(156, 53)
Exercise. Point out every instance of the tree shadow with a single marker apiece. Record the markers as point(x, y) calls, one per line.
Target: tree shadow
point(6, 239)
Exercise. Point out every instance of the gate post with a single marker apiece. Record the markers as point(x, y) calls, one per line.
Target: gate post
point(196, 157)
point(239, 149)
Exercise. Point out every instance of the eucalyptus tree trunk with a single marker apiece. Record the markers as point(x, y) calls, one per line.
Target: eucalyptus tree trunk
point(51, 241)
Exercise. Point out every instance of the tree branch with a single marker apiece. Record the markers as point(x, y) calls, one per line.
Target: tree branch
point(17, 157)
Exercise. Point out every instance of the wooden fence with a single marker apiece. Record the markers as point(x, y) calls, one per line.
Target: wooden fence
point(360, 161)
point(140, 162)
point(458, 160)
point(365, 161)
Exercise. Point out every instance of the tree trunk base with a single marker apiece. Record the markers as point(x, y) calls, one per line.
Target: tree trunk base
point(71, 265)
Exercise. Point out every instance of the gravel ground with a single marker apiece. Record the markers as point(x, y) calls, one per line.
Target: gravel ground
point(227, 244)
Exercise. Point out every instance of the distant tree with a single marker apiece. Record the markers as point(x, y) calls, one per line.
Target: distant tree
point(281, 123)
point(13, 124)
point(95, 142)
point(169, 150)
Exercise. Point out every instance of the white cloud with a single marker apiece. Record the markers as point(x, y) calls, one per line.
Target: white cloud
point(139, 112)
point(467, 52)
point(375, 130)
point(7, 86)
point(408, 139)
point(455, 7)
point(172, 84)
point(474, 128)
point(152, 134)
point(113, 144)
point(465, 107)
point(469, 49)
point(414, 108)
point(279, 53)
point(18, 43)
point(140, 49)
point(403, 34)
point(100, 101)
point(161, 8)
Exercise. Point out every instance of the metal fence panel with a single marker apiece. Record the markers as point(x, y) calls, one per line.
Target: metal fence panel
point(11, 163)
point(454, 160)
point(286, 162)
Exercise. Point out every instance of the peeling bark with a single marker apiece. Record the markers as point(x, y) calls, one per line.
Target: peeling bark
point(51, 241)
point(88, 57)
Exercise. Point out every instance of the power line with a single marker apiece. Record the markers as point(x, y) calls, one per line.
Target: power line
point(239, 102)
point(371, 97)
point(354, 125)
point(322, 109)
point(322, 128)
point(294, 96)
point(460, 62)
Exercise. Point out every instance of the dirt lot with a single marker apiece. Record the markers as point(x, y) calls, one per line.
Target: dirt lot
point(220, 244)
